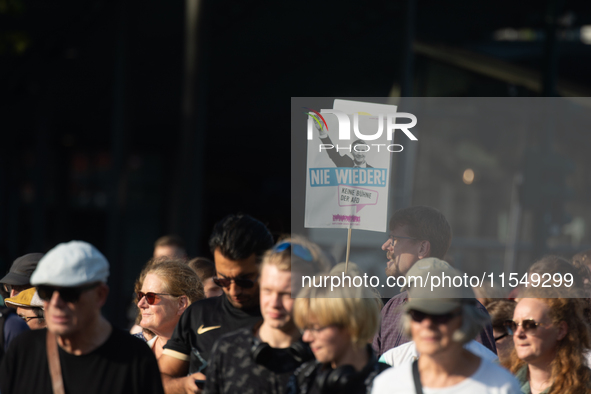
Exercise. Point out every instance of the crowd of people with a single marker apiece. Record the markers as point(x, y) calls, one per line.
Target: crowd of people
point(234, 324)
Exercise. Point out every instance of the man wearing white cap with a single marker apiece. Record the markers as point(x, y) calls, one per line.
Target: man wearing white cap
point(79, 352)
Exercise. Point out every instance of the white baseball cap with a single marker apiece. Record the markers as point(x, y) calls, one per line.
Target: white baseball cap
point(71, 264)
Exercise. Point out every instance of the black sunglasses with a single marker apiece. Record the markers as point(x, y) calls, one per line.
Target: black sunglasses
point(501, 336)
point(29, 318)
point(151, 297)
point(527, 325)
point(300, 251)
point(240, 282)
point(18, 288)
point(68, 294)
point(419, 316)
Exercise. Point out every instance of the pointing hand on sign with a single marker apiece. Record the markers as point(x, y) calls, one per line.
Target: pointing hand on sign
point(320, 127)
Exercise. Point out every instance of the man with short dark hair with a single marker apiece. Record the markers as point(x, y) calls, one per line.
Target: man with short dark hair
point(415, 233)
point(86, 354)
point(238, 243)
point(170, 246)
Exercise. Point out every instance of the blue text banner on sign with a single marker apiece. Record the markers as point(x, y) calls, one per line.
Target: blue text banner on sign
point(347, 176)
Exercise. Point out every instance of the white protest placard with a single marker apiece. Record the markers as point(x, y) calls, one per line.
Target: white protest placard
point(348, 165)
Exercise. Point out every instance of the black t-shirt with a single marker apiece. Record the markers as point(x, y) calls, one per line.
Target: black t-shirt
point(203, 323)
point(123, 364)
point(233, 369)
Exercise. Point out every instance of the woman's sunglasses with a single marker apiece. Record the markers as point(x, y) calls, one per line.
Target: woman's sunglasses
point(501, 336)
point(240, 282)
point(300, 251)
point(527, 325)
point(151, 297)
point(419, 316)
point(67, 294)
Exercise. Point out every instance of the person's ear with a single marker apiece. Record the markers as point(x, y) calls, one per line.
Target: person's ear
point(562, 330)
point(424, 249)
point(183, 304)
point(103, 293)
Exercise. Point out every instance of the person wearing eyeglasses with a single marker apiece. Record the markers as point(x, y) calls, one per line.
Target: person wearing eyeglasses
point(440, 322)
point(29, 307)
point(237, 243)
point(408, 351)
point(339, 330)
point(416, 233)
point(551, 337)
point(15, 281)
point(500, 311)
point(166, 289)
point(85, 353)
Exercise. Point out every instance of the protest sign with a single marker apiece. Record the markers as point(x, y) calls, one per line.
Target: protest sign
point(347, 179)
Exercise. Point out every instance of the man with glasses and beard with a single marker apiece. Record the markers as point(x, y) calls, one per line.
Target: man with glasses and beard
point(80, 351)
point(237, 243)
point(415, 233)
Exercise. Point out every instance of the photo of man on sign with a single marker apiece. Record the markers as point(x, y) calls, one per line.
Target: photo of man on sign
point(359, 149)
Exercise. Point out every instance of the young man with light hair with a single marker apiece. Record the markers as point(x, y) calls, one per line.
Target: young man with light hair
point(261, 358)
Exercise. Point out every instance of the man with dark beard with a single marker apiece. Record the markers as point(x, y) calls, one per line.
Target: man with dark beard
point(237, 243)
point(415, 233)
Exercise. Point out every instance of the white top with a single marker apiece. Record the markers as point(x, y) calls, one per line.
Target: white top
point(152, 342)
point(489, 378)
point(408, 352)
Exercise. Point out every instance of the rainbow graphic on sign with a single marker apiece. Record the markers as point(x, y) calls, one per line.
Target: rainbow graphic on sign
point(316, 116)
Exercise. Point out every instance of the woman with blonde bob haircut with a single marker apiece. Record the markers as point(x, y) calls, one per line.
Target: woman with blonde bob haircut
point(551, 339)
point(339, 330)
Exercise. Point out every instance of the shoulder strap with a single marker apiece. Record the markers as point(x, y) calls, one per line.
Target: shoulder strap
point(417, 377)
point(55, 368)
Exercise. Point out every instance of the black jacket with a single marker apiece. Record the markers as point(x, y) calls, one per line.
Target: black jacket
point(316, 378)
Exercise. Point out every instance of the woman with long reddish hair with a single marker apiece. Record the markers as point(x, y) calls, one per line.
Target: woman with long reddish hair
point(551, 338)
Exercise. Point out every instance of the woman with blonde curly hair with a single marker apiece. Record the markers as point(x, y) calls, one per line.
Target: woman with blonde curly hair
point(164, 290)
point(551, 338)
